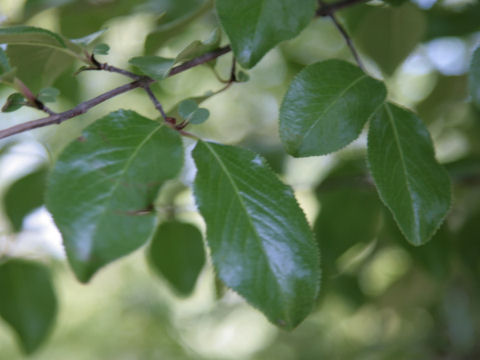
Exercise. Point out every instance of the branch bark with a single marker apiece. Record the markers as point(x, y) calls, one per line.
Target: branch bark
point(83, 107)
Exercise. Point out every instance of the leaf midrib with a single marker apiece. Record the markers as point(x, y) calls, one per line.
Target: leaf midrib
point(240, 200)
point(333, 103)
point(404, 166)
point(123, 171)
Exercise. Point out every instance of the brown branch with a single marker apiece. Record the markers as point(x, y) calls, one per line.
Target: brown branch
point(87, 105)
point(155, 102)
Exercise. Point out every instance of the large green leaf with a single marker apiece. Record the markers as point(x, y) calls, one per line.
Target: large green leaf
point(27, 302)
point(260, 241)
point(103, 185)
point(23, 196)
point(327, 106)
point(409, 180)
point(177, 254)
point(388, 35)
point(474, 77)
point(257, 26)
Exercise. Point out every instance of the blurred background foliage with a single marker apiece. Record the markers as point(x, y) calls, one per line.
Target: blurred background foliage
point(381, 297)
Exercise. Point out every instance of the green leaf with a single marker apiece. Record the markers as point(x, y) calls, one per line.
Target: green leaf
point(388, 35)
point(187, 107)
point(409, 180)
point(88, 39)
point(199, 116)
point(154, 66)
point(24, 196)
point(474, 77)
point(242, 76)
point(34, 36)
point(39, 55)
point(101, 49)
point(7, 73)
point(103, 185)
point(256, 26)
point(28, 302)
point(260, 241)
point(177, 254)
point(327, 106)
point(350, 213)
point(33, 7)
point(14, 102)
point(48, 94)
point(198, 48)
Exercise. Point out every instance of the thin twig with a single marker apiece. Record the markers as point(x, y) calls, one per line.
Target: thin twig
point(342, 30)
point(155, 101)
point(327, 9)
point(87, 105)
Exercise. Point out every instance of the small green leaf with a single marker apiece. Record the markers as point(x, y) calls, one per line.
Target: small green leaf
point(327, 106)
point(256, 26)
point(199, 116)
point(154, 66)
point(242, 76)
point(409, 180)
point(260, 241)
point(87, 40)
point(187, 107)
point(24, 196)
point(28, 302)
point(101, 49)
point(14, 102)
point(474, 77)
point(177, 254)
point(198, 48)
point(103, 185)
point(48, 94)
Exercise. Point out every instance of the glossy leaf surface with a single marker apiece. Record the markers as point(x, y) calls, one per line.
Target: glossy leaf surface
point(326, 107)
point(177, 254)
point(197, 48)
point(14, 102)
point(256, 26)
point(118, 165)
point(27, 302)
point(409, 180)
point(24, 196)
point(260, 241)
point(154, 66)
point(474, 77)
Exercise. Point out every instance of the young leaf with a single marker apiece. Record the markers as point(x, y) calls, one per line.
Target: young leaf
point(28, 302)
point(474, 77)
point(199, 116)
point(327, 106)
point(154, 66)
point(24, 196)
point(14, 102)
point(260, 241)
point(409, 180)
point(48, 94)
point(103, 185)
point(256, 26)
point(87, 40)
point(101, 49)
point(187, 107)
point(177, 254)
point(198, 48)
